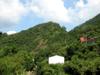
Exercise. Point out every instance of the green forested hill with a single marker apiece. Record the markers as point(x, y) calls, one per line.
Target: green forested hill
point(18, 51)
point(89, 28)
point(40, 41)
point(87, 54)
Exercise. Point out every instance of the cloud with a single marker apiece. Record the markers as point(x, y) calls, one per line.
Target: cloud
point(53, 10)
point(11, 32)
point(84, 11)
point(11, 12)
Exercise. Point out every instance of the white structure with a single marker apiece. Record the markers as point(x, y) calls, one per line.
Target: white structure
point(56, 60)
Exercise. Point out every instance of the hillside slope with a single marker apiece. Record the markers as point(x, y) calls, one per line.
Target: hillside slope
point(90, 28)
point(87, 54)
point(44, 40)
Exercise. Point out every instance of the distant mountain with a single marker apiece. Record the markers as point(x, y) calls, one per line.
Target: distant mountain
point(38, 43)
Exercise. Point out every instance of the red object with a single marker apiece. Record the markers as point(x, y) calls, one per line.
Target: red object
point(83, 39)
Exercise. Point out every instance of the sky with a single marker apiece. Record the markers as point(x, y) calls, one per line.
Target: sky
point(18, 15)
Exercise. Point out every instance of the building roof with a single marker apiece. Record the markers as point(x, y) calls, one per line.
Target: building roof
point(56, 56)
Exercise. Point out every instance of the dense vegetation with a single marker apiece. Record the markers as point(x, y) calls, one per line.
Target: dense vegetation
point(29, 50)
